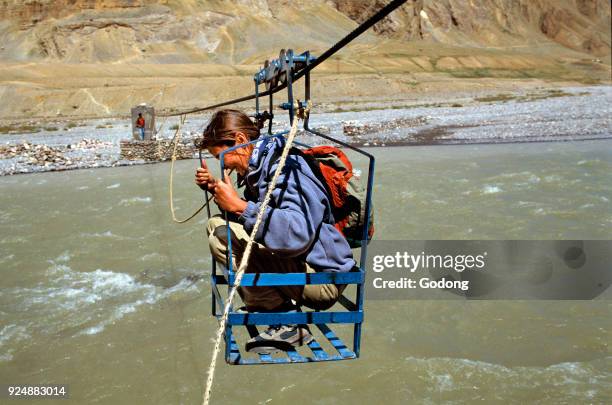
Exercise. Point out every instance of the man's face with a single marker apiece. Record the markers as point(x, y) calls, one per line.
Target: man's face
point(235, 160)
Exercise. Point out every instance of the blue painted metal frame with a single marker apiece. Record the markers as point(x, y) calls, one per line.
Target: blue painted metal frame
point(354, 313)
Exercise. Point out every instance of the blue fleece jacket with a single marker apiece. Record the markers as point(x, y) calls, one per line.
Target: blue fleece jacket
point(298, 220)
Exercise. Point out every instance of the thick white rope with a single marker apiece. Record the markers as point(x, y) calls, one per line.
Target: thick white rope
point(245, 260)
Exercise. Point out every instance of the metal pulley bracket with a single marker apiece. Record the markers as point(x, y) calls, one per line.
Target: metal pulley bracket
point(275, 72)
point(261, 118)
point(297, 105)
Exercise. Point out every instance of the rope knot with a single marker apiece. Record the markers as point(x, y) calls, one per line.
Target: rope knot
point(302, 112)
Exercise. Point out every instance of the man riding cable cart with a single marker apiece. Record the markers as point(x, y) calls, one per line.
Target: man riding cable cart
point(298, 233)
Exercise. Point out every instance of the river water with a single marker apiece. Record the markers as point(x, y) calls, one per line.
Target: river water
point(100, 290)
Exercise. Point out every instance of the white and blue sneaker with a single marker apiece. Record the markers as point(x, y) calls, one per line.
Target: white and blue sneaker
point(279, 338)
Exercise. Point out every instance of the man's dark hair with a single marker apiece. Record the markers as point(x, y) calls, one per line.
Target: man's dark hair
point(223, 126)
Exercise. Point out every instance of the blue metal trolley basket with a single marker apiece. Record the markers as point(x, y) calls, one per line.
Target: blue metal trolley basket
point(281, 71)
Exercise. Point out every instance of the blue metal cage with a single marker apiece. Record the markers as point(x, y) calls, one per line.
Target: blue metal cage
point(327, 345)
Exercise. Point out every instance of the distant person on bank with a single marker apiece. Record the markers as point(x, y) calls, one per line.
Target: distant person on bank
point(140, 124)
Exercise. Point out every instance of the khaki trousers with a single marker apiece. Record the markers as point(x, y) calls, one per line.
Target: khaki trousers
point(262, 260)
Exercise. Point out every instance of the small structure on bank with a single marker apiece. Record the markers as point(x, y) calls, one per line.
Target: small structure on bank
point(152, 149)
point(156, 150)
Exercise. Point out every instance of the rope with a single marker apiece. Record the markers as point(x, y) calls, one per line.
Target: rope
point(176, 138)
point(245, 259)
point(162, 125)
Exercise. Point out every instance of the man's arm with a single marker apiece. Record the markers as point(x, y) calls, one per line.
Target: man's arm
point(290, 224)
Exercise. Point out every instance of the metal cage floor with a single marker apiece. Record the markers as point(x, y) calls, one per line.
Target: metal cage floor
point(316, 350)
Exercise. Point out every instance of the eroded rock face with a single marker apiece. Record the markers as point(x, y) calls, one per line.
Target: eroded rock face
point(83, 31)
point(210, 31)
point(31, 12)
point(582, 25)
point(564, 27)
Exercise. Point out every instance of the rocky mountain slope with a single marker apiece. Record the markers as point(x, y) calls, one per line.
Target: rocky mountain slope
point(96, 58)
point(582, 25)
point(222, 31)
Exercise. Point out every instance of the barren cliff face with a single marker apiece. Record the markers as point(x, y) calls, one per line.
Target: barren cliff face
point(232, 31)
point(582, 25)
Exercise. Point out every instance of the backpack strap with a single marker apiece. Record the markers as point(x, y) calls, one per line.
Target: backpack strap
point(312, 164)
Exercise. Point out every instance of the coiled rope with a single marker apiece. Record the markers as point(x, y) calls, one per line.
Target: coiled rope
point(176, 139)
point(245, 257)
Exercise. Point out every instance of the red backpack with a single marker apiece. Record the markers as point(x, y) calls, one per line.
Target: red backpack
point(346, 194)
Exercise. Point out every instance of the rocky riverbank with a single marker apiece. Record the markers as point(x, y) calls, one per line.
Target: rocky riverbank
point(547, 115)
point(29, 157)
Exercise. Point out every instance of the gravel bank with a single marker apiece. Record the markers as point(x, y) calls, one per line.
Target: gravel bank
point(545, 115)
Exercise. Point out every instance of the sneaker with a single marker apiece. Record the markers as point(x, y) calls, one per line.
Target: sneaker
point(279, 337)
